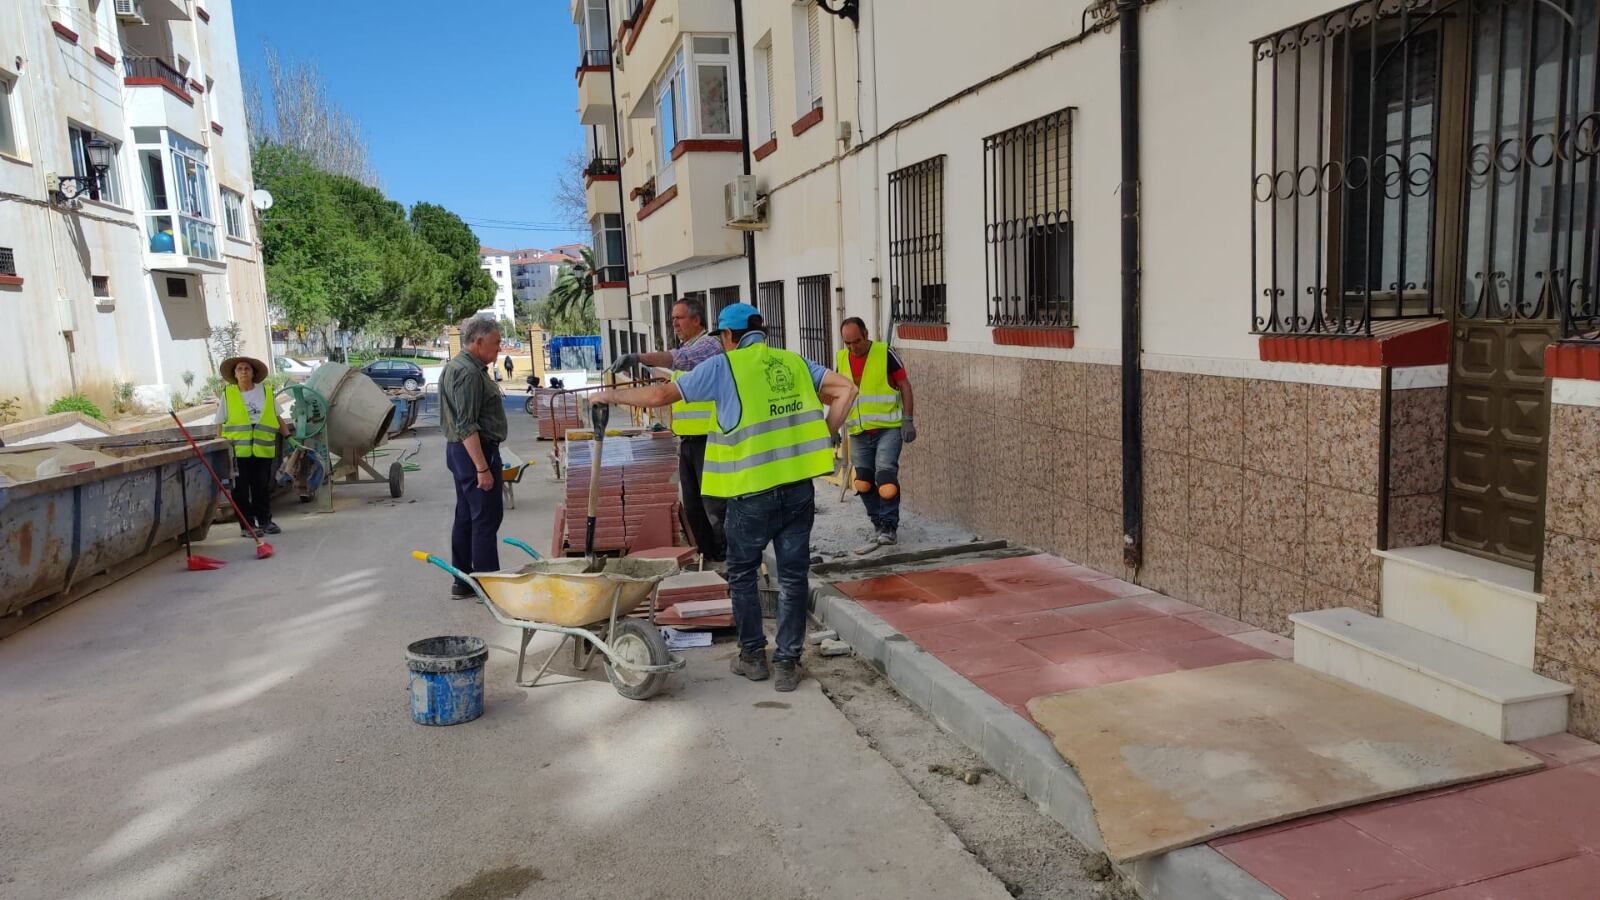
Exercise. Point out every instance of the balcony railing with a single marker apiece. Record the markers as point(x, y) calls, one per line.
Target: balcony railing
point(610, 274)
point(601, 167)
point(589, 58)
point(151, 67)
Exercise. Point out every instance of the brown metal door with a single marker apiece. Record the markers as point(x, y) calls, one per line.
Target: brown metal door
point(1499, 423)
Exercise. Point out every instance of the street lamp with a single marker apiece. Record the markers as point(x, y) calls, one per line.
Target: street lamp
point(71, 187)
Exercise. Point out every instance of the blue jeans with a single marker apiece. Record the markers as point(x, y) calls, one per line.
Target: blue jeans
point(474, 533)
point(780, 517)
point(875, 455)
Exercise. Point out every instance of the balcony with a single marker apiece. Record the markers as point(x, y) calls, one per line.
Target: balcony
point(684, 224)
point(595, 103)
point(611, 302)
point(600, 187)
point(159, 97)
point(147, 11)
point(192, 247)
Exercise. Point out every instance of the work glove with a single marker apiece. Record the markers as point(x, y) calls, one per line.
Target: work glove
point(908, 429)
point(629, 364)
point(834, 440)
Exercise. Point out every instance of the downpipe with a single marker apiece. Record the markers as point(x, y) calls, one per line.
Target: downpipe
point(1132, 382)
point(744, 124)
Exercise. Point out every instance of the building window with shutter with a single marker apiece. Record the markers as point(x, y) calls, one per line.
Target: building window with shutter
point(816, 318)
point(916, 242)
point(807, 59)
point(769, 299)
point(1027, 178)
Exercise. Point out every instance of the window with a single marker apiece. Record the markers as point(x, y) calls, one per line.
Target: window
point(178, 287)
point(816, 319)
point(769, 299)
point(8, 262)
point(807, 59)
point(916, 242)
point(594, 42)
point(670, 102)
point(608, 250)
point(233, 212)
point(101, 285)
point(177, 196)
point(695, 98)
point(109, 188)
point(8, 130)
point(1027, 174)
point(721, 298)
point(767, 111)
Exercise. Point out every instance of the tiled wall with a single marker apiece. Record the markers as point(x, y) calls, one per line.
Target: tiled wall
point(1568, 644)
point(1416, 467)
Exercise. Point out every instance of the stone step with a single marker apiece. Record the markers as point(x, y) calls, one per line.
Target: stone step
point(1478, 603)
point(1482, 692)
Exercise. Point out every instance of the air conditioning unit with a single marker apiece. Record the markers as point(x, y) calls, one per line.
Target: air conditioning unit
point(745, 208)
point(130, 11)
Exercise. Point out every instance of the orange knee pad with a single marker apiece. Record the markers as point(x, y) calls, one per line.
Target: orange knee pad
point(862, 486)
point(888, 491)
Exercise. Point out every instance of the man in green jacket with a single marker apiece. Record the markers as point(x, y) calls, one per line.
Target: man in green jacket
point(473, 419)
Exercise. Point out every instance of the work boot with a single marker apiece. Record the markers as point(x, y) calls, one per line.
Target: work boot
point(271, 528)
point(461, 590)
point(888, 536)
point(751, 665)
point(788, 675)
point(872, 543)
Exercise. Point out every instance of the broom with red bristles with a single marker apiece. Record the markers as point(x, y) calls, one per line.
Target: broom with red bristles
point(263, 549)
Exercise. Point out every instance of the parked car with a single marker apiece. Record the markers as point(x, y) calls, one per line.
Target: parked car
point(296, 369)
point(394, 373)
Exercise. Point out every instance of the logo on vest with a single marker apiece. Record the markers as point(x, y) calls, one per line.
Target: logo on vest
point(779, 378)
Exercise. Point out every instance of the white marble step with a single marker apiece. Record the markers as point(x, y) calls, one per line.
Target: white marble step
point(1482, 692)
point(1488, 606)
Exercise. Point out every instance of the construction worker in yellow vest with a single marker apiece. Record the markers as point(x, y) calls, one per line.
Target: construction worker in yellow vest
point(248, 417)
point(691, 422)
point(776, 417)
point(879, 423)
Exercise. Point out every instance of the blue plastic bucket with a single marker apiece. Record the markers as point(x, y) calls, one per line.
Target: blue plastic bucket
point(446, 679)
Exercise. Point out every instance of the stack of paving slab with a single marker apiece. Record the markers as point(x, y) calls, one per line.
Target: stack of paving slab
point(638, 498)
point(694, 600)
point(557, 411)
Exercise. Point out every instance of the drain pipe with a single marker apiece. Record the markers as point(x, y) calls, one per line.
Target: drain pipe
point(622, 197)
point(1132, 443)
point(744, 125)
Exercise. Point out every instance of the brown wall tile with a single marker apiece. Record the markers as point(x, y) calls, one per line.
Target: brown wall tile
point(1166, 492)
point(1215, 579)
point(1103, 542)
point(1216, 504)
point(1066, 397)
point(1341, 532)
point(1322, 596)
point(1166, 563)
point(1034, 382)
point(1572, 491)
point(1071, 479)
point(1274, 521)
point(1040, 454)
point(1342, 438)
point(1275, 428)
point(1070, 530)
point(1583, 710)
point(1416, 521)
point(1166, 411)
point(1102, 461)
point(1416, 441)
point(1103, 401)
point(1569, 620)
point(1216, 420)
point(1268, 595)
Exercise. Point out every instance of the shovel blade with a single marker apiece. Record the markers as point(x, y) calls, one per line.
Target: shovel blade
point(204, 563)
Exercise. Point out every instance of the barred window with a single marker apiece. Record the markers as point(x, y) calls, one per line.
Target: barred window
point(721, 299)
point(1027, 187)
point(8, 262)
point(769, 299)
point(916, 242)
point(816, 318)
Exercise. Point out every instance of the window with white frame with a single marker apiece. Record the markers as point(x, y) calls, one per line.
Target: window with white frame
point(807, 59)
point(105, 26)
point(695, 97)
point(177, 194)
point(670, 108)
point(107, 189)
point(233, 213)
point(767, 109)
point(9, 144)
point(609, 262)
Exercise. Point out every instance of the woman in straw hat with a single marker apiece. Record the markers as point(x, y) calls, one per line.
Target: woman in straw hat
point(248, 415)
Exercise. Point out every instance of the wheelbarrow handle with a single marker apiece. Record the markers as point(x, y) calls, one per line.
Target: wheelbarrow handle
point(464, 578)
point(520, 545)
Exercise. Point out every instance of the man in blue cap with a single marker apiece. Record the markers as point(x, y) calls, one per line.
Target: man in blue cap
point(777, 416)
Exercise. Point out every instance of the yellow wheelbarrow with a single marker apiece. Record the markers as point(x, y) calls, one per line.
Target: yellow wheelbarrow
point(588, 608)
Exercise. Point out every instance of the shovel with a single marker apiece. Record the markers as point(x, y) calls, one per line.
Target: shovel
point(263, 549)
point(599, 416)
point(195, 563)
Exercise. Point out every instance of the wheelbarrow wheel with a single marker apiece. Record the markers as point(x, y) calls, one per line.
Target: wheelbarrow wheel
point(397, 479)
point(640, 643)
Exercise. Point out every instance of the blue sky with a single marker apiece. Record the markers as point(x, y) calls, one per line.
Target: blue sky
point(468, 104)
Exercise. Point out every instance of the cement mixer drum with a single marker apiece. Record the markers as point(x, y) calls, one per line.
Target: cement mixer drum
point(359, 412)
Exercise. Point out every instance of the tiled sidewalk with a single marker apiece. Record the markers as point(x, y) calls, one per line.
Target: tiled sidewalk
point(1027, 626)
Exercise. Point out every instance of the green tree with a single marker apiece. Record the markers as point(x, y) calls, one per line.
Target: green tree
point(569, 309)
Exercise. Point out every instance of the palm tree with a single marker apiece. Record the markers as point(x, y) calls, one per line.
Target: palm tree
point(569, 309)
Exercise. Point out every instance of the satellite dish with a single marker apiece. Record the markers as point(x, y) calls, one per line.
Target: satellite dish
point(261, 200)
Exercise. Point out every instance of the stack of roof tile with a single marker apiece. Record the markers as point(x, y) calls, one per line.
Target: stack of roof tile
point(638, 495)
point(557, 411)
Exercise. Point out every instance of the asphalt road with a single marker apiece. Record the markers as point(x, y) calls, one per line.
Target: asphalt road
point(245, 733)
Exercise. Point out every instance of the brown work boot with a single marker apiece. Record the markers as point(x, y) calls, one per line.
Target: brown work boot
point(751, 665)
point(788, 675)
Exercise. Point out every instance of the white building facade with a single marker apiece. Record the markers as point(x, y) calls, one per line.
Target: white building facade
point(124, 283)
point(534, 272)
point(498, 264)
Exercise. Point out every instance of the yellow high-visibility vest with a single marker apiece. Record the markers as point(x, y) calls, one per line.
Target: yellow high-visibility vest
point(692, 419)
point(782, 436)
point(878, 404)
point(250, 440)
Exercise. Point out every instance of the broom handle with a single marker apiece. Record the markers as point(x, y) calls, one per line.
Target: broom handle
point(243, 520)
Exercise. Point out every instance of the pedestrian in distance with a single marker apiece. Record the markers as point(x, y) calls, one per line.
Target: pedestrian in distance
point(776, 417)
point(880, 422)
point(248, 418)
point(473, 420)
point(509, 366)
point(691, 422)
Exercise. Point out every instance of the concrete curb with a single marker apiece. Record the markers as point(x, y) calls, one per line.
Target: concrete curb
point(1018, 751)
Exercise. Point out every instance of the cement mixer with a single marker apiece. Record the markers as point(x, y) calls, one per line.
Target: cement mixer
point(340, 415)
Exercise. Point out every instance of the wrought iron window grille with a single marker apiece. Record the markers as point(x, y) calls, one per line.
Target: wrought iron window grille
point(769, 299)
point(8, 262)
point(916, 242)
point(1027, 189)
point(816, 318)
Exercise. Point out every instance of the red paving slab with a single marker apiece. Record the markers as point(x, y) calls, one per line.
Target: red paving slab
point(1332, 860)
point(1215, 651)
point(1163, 631)
point(1110, 668)
point(1114, 612)
point(912, 616)
point(1020, 626)
point(1577, 878)
point(1461, 838)
point(1562, 749)
point(1217, 624)
point(1075, 645)
point(1562, 802)
point(1017, 687)
point(992, 660)
point(957, 636)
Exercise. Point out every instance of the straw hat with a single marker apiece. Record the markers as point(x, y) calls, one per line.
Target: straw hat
point(232, 362)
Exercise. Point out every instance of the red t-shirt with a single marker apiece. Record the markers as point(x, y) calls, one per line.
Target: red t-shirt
point(897, 372)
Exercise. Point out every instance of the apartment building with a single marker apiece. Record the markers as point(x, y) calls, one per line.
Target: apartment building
point(1366, 378)
point(534, 272)
point(498, 264)
point(126, 228)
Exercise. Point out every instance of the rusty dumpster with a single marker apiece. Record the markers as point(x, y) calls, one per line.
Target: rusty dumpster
point(64, 536)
